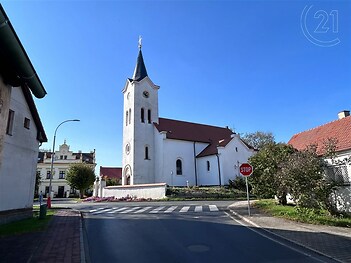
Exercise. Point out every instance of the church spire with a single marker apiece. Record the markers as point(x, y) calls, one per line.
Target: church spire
point(140, 69)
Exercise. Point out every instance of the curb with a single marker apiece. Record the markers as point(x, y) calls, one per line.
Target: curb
point(81, 237)
point(282, 237)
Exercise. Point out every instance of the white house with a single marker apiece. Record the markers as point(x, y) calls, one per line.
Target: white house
point(340, 167)
point(63, 159)
point(178, 153)
point(21, 131)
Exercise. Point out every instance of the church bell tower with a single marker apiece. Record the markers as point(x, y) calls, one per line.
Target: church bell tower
point(140, 111)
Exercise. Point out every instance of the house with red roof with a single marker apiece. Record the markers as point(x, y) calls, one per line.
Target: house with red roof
point(340, 167)
point(112, 173)
point(175, 152)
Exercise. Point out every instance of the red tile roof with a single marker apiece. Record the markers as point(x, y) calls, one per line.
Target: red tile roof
point(111, 172)
point(195, 132)
point(339, 129)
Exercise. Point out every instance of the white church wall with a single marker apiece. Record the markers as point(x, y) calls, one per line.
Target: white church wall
point(153, 191)
point(231, 156)
point(160, 176)
point(19, 159)
point(205, 176)
point(183, 150)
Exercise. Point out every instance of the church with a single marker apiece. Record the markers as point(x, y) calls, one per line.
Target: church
point(175, 152)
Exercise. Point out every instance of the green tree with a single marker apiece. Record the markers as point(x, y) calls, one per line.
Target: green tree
point(302, 174)
point(258, 139)
point(265, 164)
point(37, 183)
point(113, 181)
point(80, 176)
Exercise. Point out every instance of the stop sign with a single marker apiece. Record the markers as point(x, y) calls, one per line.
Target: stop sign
point(246, 169)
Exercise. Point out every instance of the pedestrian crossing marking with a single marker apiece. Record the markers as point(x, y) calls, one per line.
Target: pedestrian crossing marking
point(97, 209)
point(103, 211)
point(113, 210)
point(198, 208)
point(171, 209)
point(143, 210)
point(184, 209)
point(154, 210)
point(213, 208)
point(118, 210)
point(130, 210)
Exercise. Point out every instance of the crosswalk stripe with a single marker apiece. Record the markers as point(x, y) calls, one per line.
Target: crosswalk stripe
point(114, 210)
point(156, 210)
point(184, 209)
point(103, 211)
point(138, 209)
point(130, 210)
point(171, 209)
point(120, 209)
point(142, 210)
point(198, 208)
point(213, 208)
point(97, 209)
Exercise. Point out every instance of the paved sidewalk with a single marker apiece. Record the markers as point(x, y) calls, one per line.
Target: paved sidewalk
point(61, 241)
point(334, 242)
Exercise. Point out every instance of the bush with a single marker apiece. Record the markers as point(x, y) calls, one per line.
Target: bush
point(239, 184)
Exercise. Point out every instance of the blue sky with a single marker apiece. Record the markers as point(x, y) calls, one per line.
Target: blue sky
point(279, 66)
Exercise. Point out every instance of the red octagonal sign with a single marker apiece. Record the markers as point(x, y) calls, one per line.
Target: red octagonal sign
point(246, 169)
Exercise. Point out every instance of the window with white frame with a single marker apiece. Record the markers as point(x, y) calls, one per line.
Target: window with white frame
point(62, 175)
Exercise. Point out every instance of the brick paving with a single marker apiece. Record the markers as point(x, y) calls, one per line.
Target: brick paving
point(61, 242)
point(334, 242)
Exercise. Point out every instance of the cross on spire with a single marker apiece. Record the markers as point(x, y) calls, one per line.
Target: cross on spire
point(139, 42)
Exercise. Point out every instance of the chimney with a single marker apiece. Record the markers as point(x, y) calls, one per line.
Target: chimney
point(343, 114)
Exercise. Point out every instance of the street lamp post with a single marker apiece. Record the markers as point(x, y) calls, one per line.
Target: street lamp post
point(52, 162)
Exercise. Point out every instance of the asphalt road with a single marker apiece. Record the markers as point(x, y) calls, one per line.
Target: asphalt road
point(179, 232)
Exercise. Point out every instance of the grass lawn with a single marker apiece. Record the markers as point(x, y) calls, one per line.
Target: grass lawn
point(302, 215)
point(27, 225)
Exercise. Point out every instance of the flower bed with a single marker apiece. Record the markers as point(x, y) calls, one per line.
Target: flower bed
point(128, 198)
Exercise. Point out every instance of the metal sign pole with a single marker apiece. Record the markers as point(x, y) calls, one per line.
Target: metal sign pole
point(248, 197)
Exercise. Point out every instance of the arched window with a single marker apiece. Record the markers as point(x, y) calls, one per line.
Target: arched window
point(179, 167)
point(130, 115)
point(149, 116)
point(126, 118)
point(208, 166)
point(142, 115)
point(146, 153)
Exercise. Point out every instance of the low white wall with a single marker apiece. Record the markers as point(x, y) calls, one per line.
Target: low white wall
point(153, 191)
